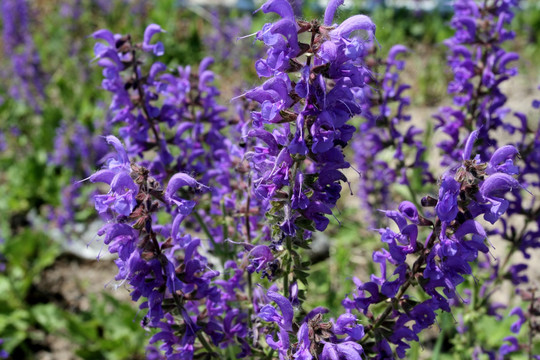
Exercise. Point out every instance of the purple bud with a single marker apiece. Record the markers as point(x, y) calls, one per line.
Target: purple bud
point(469, 145)
point(407, 209)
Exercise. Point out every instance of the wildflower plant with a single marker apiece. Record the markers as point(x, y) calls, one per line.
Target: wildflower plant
point(211, 209)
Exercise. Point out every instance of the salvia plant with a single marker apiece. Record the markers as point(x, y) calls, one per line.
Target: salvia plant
point(210, 206)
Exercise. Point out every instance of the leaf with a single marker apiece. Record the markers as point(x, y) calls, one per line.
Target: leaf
point(49, 316)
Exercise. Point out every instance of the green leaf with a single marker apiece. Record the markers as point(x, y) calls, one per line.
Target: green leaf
point(49, 316)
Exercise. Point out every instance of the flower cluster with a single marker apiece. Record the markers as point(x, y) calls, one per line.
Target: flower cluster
point(29, 81)
point(304, 109)
point(76, 151)
point(224, 42)
point(442, 260)
point(480, 66)
point(176, 117)
point(383, 130)
point(439, 264)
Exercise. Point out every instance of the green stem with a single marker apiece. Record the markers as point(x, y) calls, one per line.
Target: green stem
point(205, 229)
point(248, 205)
point(140, 90)
point(531, 329)
point(288, 270)
point(206, 345)
point(200, 336)
point(414, 198)
point(387, 311)
point(225, 230)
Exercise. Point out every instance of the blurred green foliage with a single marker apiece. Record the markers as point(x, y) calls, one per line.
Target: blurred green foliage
point(107, 330)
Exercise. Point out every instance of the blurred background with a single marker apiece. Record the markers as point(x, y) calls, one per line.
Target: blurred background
point(54, 298)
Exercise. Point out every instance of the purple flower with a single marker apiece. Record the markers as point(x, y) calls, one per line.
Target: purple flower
point(259, 256)
point(149, 32)
point(512, 346)
point(515, 275)
point(346, 324)
point(447, 207)
point(504, 155)
point(121, 197)
point(521, 319)
point(304, 344)
point(344, 351)
point(491, 192)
